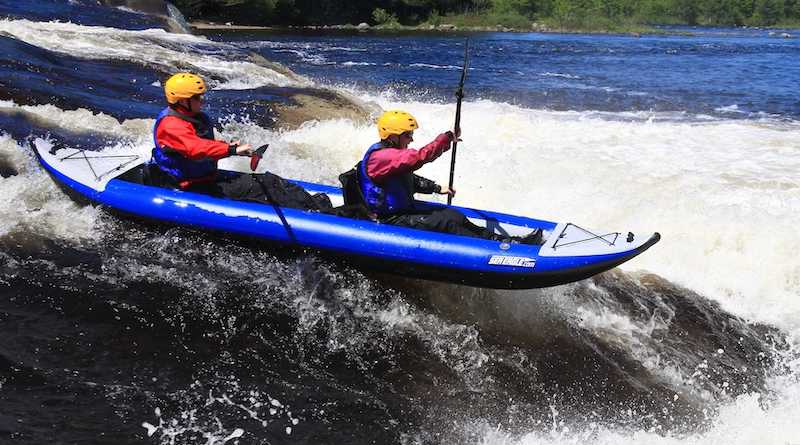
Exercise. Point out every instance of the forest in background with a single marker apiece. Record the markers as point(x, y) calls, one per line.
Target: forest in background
point(609, 15)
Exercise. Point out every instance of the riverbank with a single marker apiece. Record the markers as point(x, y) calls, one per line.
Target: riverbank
point(443, 27)
point(632, 30)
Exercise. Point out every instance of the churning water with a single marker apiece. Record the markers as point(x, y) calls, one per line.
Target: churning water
point(116, 331)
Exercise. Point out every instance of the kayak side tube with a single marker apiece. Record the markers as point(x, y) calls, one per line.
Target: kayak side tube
point(384, 247)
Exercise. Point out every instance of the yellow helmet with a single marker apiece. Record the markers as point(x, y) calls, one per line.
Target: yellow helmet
point(183, 86)
point(395, 122)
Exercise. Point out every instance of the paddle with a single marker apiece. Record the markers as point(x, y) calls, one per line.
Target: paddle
point(459, 96)
point(255, 158)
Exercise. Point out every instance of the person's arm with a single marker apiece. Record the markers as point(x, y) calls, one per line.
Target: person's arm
point(180, 136)
point(426, 186)
point(392, 161)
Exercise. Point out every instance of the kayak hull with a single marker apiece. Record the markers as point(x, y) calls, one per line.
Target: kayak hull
point(382, 247)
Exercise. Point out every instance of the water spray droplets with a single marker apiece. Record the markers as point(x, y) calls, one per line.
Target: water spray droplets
point(207, 416)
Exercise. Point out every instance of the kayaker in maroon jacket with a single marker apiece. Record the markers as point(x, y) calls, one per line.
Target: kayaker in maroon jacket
point(388, 183)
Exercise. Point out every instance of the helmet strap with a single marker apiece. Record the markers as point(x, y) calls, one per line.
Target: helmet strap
point(184, 104)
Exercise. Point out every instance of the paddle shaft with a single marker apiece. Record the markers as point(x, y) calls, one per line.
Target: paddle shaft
point(254, 159)
point(457, 126)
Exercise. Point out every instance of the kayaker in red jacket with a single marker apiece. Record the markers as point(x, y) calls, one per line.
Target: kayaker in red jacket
point(186, 154)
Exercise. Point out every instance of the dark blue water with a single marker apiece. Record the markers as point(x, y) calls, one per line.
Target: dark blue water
point(125, 333)
point(716, 72)
point(84, 12)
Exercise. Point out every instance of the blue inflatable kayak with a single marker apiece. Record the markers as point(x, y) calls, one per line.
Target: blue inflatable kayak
point(569, 253)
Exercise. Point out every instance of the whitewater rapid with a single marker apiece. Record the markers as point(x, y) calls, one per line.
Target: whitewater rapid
point(151, 47)
point(731, 237)
point(724, 194)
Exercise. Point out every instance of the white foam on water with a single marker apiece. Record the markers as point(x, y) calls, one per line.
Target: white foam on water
point(33, 204)
point(200, 416)
point(729, 109)
point(729, 185)
point(82, 120)
point(305, 52)
point(435, 67)
point(724, 194)
point(748, 419)
point(150, 47)
point(565, 76)
point(305, 153)
point(304, 56)
point(350, 63)
point(346, 48)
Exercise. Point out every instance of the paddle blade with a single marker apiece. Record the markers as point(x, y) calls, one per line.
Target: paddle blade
point(255, 158)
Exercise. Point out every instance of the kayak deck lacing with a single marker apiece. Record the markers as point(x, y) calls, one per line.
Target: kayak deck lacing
point(82, 153)
point(611, 240)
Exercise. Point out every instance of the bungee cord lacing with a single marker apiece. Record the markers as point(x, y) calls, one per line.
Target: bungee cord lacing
point(592, 236)
point(80, 154)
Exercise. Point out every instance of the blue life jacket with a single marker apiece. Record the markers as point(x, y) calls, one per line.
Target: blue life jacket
point(175, 164)
point(395, 195)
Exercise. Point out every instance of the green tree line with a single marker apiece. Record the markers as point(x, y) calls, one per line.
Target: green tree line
point(576, 14)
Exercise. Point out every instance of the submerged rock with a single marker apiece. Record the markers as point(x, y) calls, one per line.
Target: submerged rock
point(292, 107)
point(318, 104)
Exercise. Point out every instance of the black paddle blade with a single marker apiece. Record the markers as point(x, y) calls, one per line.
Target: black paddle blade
point(260, 150)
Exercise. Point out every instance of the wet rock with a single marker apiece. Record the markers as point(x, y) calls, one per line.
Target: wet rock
point(447, 27)
point(310, 104)
point(291, 107)
point(277, 67)
point(362, 26)
point(7, 169)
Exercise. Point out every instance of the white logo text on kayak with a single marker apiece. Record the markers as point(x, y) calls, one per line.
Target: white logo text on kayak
point(517, 261)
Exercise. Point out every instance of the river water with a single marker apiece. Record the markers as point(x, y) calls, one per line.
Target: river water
point(119, 332)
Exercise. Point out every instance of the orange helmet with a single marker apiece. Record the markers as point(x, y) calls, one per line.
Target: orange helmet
point(183, 86)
